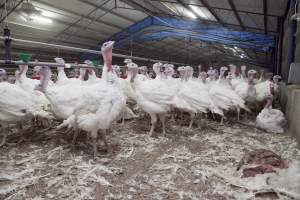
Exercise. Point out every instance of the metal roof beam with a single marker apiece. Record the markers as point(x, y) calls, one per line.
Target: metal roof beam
point(88, 29)
point(135, 4)
point(217, 8)
point(237, 16)
point(11, 10)
point(265, 7)
point(107, 10)
point(205, 3)
point(186, 7)
point(36, 28)
point(227, 24)
point(80, 15)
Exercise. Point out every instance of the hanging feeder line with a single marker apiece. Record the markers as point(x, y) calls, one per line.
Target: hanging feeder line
point(7, 42)
point(49, 64)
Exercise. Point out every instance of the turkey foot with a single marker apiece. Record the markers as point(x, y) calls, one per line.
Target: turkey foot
point(153, 123)
point(162, 118)
point(3, 140)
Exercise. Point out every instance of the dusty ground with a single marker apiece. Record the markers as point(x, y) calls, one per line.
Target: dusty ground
point(187, 164)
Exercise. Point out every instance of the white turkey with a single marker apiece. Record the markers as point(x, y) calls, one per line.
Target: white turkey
point(16, 107)
point(263, 90)
point(225, 97)
point(153, 96)
point(3, 75)
point(100, 104)
point(211, 76)
point(269, 119)
point(199, 70)
point(29, 86)
point(192, 96)
point(143, 73)
point(236, 80)
point(247, 89)
point(62, 78)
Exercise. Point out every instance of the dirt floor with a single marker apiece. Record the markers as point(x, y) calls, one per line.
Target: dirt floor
point(187, 164)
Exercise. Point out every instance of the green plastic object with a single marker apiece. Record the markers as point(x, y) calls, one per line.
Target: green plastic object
point(25, 57)
point(95, 62)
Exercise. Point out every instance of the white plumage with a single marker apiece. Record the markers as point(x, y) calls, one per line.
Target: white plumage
point(271, 120)
point(193, 96)
point(153, 95)
point(99, 104)
point(17, 106)
point(29, 85)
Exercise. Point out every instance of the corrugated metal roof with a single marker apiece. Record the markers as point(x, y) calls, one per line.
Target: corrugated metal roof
point(85, 23)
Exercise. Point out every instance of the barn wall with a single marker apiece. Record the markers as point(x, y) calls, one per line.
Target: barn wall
point(290, 97)
point(297, 50)
point(292, 110)
point(285, 46)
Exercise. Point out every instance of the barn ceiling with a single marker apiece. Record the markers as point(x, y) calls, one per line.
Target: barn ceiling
point(86, 23)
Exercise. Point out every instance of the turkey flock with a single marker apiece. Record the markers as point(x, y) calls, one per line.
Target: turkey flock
point(92, 105)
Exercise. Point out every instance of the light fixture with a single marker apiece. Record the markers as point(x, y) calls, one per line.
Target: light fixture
point(198, 11)
point(40, 19)
point(243, 56)
point(48, 14)
point(27, 10)
point(29, 13)
point(190, 14)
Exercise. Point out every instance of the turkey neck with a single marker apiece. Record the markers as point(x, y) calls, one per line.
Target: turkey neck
point(82, 74)
point(45, 78)
point(199, 69)
point(261, 78)
point(107, 58)
point(269, 103)
point(251, 80)
point(244, 73)
point(222, 75)
point(183, 75)
point(233, 72)
point(23, 70)
point(61, 73)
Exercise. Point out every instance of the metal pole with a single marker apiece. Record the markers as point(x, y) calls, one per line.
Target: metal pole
point(292, 39)
point(12, 10)
point(49, 64)
point(281, 30)
point(87, 50)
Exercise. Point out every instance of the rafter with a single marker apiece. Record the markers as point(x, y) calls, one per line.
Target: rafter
point(205, 3)
point(80, 15)
point(11, 10)
point(96, 38)
point(265, 7)
point(236, 14)
point(186, 7)
point(107, 10)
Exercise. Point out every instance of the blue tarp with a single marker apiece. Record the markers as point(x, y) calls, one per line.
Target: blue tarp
point(147, 30)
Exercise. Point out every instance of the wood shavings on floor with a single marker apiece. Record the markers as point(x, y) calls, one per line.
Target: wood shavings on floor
point(187, 164)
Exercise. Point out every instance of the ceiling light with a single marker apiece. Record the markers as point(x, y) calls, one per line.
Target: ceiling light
point(198, 11)
point(37, 19)
point(40, 19)
point(29, 13)
point(243, 56)
point(47, 14)
point(190, 14)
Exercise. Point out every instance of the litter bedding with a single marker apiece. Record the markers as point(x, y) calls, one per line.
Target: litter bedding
point(188, 164)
